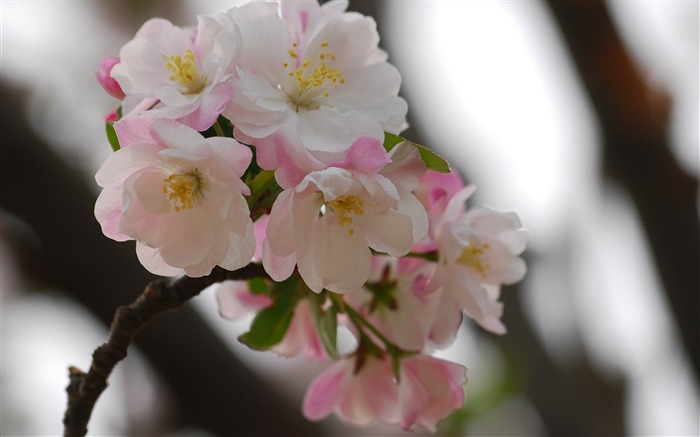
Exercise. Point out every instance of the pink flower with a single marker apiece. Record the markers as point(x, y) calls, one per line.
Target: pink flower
point(235, 299)
point(428, 390)
point(359, 397)
point(326, 221)
point(316, 71)
point(105, 79)
point(479, 251)
point(180, 73)
point(179, 196)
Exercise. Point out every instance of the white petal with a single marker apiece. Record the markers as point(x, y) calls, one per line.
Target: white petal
point(151, 259)
point(391, 232)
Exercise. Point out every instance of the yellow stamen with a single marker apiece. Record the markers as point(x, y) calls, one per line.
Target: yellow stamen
point(314, 78)
point(473, 256)
point(182, 189)
point(185, 72)
point(344, 205)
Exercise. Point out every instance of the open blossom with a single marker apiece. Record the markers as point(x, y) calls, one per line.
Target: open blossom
point(316, 71)
point(179, 196)
point(428, 390)
point(327, 222)
point(180, 73)
point(479, 251)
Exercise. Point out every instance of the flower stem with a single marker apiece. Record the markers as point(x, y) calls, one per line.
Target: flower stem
point(218, 129)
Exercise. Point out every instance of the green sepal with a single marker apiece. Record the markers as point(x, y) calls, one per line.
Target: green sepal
point(111, 133)
point(271, 324)
point(326, 321)
point(264, 190)
point(432, 160)
point(259, 286)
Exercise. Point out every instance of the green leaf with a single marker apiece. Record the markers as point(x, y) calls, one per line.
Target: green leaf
point(258, 286)
point(326, 324)
point(270, 324)
point(431, 159)
point(264, 189)
point(111, 133)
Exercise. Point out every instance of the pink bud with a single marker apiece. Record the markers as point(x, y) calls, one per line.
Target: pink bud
point(112, 117)
point(108, 83)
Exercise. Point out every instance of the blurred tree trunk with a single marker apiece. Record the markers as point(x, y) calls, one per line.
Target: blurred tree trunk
point(638, 157)
point(212, 390)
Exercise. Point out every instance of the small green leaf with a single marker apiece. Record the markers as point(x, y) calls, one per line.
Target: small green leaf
point(431, 159)
point(111, 133)
point(270, 324)
point(326, 325)
point(258, 286)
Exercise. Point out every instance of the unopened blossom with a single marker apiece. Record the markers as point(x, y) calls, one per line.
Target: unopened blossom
point(179, 196)
point(105, 79)
point(313, 71)
point(180, 73)
point(327, 222)
point(358, 396)
point(430, 389)
point(427, 391)
point(479, 251)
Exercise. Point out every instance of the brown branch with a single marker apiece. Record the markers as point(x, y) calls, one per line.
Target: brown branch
point(158, 297)
point(637, 155)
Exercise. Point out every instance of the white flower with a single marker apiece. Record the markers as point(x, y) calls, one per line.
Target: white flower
point(179, 196)
point(327, 223)
point(316, 69)
point(184, 72)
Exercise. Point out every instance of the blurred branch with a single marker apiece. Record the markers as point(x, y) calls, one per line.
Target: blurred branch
point(85, 388)
point(54, 199)
point(637, 155)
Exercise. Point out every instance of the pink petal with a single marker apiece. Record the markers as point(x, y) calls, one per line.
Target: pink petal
point(134, 130)
point(325, 391)
point(235, 300)
point(366, 155)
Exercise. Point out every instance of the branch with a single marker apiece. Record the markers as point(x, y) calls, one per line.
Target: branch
point(637, 155)
point(158, 297)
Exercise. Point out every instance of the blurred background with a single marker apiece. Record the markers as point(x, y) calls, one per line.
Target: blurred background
point(582, 116)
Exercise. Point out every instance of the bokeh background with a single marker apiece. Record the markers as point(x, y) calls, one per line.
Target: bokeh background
point(582, 116)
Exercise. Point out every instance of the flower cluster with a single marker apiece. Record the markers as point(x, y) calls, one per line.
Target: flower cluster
point(268, 133)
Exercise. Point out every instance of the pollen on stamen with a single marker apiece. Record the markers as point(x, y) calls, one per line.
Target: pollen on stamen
point(182, 189)
point(472, 256)
point(344, 206)
point(185, 71)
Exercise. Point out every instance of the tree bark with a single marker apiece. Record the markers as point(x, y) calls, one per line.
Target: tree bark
point(637, 156)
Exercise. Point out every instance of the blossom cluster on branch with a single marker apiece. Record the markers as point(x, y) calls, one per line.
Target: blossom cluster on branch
point(268, 133)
